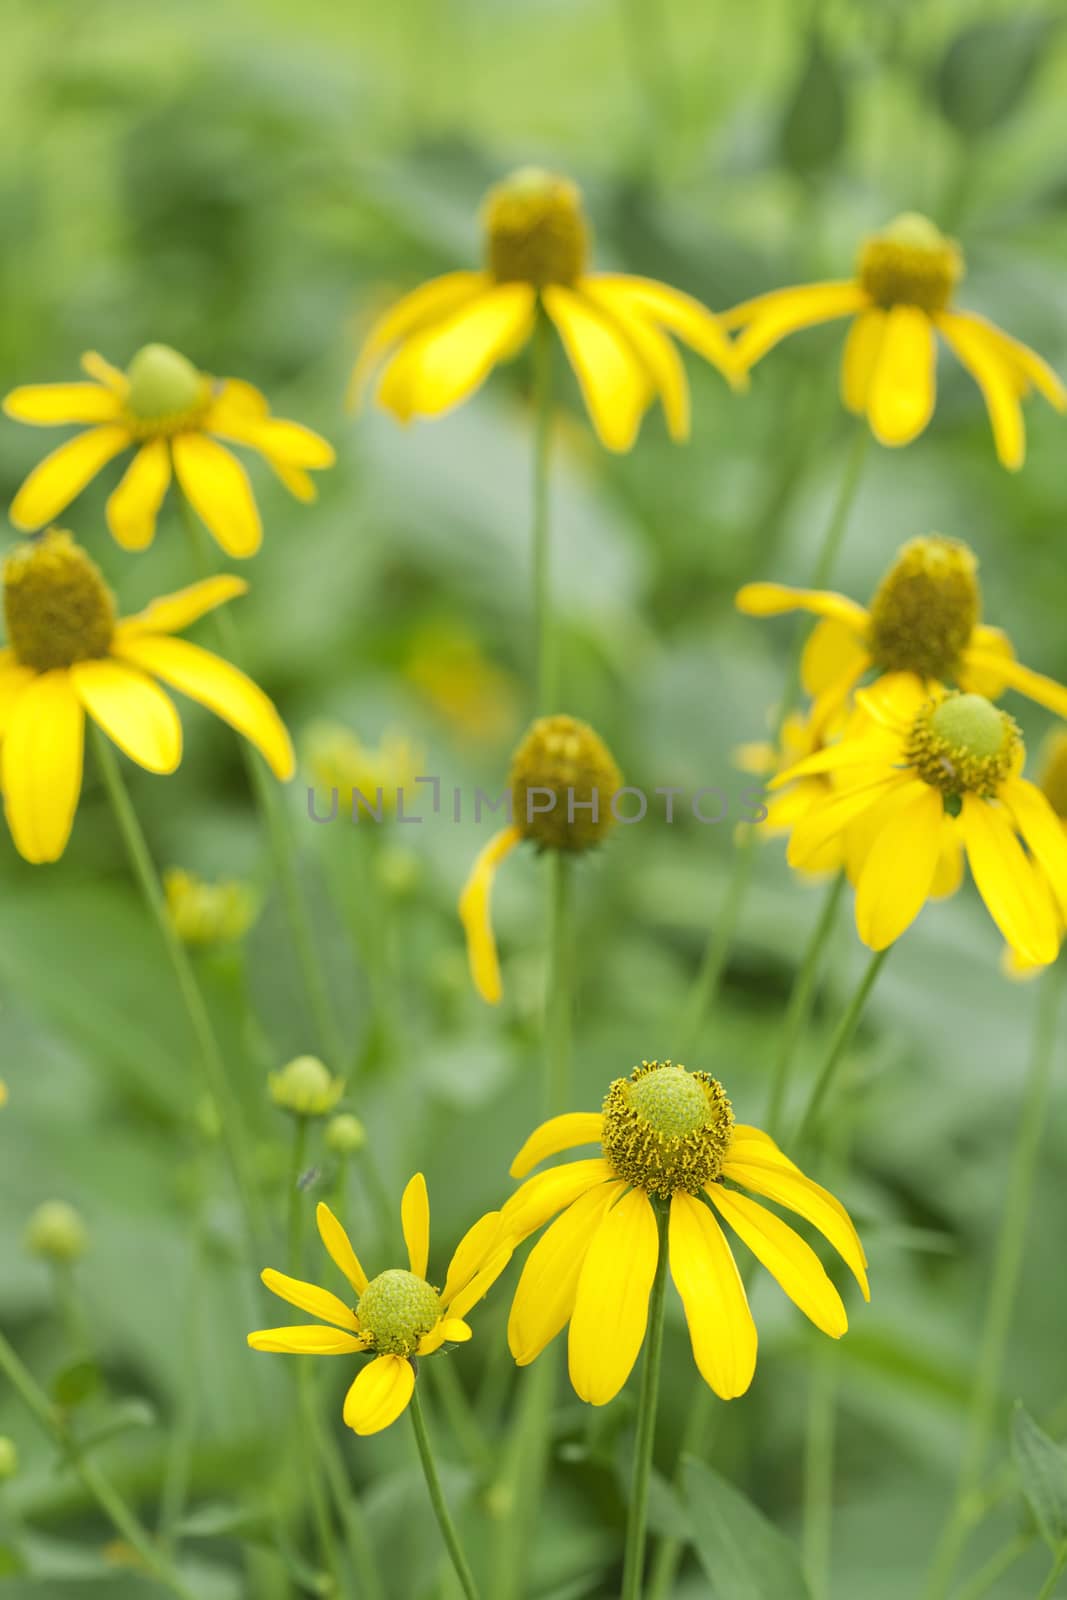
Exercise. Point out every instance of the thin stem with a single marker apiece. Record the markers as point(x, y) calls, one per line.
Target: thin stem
point(297, 1163)
point(1054, 1574)
point(182, 1442)
point(1003, 1285)
point(437, 1499)
point(637, 1521)
point(839, 1044)
point(1000, 1562)
point(211, 1058)
point(799, 1007)
point(695, 1441)
point(558, 998)
point(544, 631)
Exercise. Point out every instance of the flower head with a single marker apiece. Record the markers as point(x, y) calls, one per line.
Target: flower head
point(69, 654)
point(900, 298)
point(562, 782)
point(174, 417)
point(668, 1139)
point(57, 1232)
point(439, 343)
point(203, 913)
point(305, 1087)
point(397, 1316)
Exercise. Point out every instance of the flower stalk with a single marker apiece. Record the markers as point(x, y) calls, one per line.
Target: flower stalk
point(460, 1564)
point(637, 1522)
point(545, 639)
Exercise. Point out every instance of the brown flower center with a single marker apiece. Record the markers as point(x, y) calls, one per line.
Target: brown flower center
point(910, 263)
point(535, 229)
point(57, 606)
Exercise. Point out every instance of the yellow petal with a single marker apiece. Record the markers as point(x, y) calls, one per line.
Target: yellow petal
point(653, 350)
point(998, 380)
point(132, 508)
point(431, 302)
point(834, 651)
point(415, 1221)
point(111, 377)
point(544, 1298)
point(218, 490)
point(173, 612)
point(615, 385)
point(48, 404)
point(339, 1247)
point(980, 679)
point(482, 1281)
point(450, 1330)
point(15, 679)
point(772, 316)
point(41, 761)
point(1043, 831)
point(789, 1260)
point(61, 476)
point(217, 685)
point(949, 874)
point(1013, 675)
point(1028, 367)
point(775, 599)
point(310, 1298)
point(862, 350)
point(809, 1200)
point(311, 1340)
point(831, 819)
point(475, 913)
point(379, 1394)
point(558, 1133)
point(878, 748)
point(299, 483)
point(903, 384)
point(445, 365)
point(895, 700)
point(471, 1254)
point(289, 443)
point(611, 1304)
point(721, 1329)
point(679, 313)
point(542, 1196)
point(749, 1143)
point(900, 866)
point(1006, 882)
point(132, 710)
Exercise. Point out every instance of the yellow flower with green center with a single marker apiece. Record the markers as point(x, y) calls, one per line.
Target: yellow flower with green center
point(174, 416)
point(561, 786)
point(900, 299)
point(931, 773)
point(668, 1139)
point(439, 343)
point(69, 655)
point(397, 1316)
point(925, 619)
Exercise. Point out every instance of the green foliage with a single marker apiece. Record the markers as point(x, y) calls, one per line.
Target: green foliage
point(1042, 1467)
point(984, 76)
point(744, 1556)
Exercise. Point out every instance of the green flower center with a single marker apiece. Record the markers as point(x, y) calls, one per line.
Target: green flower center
point(667, 1129)
point(963, 745)
point(57, 606)
point(563, 779)
point(535, 229)
point(397, 1309)
point(910, 263)
point(166, 392)
point(926, 608)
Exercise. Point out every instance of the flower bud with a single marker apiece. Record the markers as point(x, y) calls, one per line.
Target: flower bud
point(563, 780)
point(305, 1088)
point(57, 1233)
point(345, 1134)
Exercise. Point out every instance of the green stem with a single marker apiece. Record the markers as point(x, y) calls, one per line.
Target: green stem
point(695, 1441)
point(839, 1044)
point(799, 1007)
point(297, 1163)
point(544, 632)
point(637, 1521)
point(437, 1499)
point(1003, 1285)
point(211, 1058)
point(1000, 1562)
point(182, 1441)
point(558, 999)
point(1054, 1575)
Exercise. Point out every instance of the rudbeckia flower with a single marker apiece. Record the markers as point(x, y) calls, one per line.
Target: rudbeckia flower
point(396, 1316)
point(667, 1139)
point(939, 771)
point(438, 344)
point(900, 299)
point(68, 655)
point(174, 418)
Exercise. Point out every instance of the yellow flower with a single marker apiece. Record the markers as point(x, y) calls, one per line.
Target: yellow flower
point(397, 1316)
point(174, 417)
point(338, 759)
point(924, 619)
point(937, 772)
point(440, 342)
point(204, 913)
point(667, 1136)
point(801, 736)
point(900, 298)
point(69, 654)
point(1052, 781)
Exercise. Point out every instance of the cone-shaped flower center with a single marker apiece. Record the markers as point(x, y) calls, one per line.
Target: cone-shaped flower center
point(926, 609)
point(166, 392)
point(563, 778)
point(535, 229)
point(58, 608)
point(396, 1309)
point(963, 745)
point(1053, 782)
point(910, 263)
point(667, 1129)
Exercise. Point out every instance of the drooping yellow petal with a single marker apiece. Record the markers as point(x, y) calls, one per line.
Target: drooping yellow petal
point(475, 912)
point(339, 1247)
point(949, 874)
point(770, 317)
point(483, 1280)
point(985, 680)
point(50, 404)
point(775, 599)
point(15, 679)
point(379, 1394)
point(834, 651)
point(1006, 882)
point(611, 1304)
point(310, 1340)
point(215, 684)
point(680, 314)
point(218, 489)
point(310, 1298)
point(133, 507)
point(1043, 831)
point(41, 761)
point(443, 366)
point(998, 380)
point(289, 443)
point(132, 710)
point(61, 476)
point(615, 384)
point(900, 866)
point(877, 748)
point(103, 372)
point(1031, 371)
point(809, 1200)
point(173, 612)
point(300, 484)
point(415, 1221)
point(829, 820)
point(471, 1254)
point(1013, 675)
point(900, 401)
point(789, 1260)
point(540, 1197)
point(558, 1133)
point(862, 350)
point(721, 1330)
point(430, 303)
point(652, 348)
point(544, 1297)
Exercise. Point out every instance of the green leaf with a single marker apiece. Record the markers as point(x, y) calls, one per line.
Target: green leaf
point(816, 113)
point(744, 1556)
point(76, 1383)
point(987, 71)
point(1042, 1467)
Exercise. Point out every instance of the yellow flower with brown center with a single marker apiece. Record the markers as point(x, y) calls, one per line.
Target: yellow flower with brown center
point(439, 343)
point(668, 1140)
point(396, 1316)
point(174, 417)
point(900, 299)
point(935, 772)
point(69, 655)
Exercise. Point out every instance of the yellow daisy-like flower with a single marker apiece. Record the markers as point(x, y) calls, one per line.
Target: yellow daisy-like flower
point(438, 344)
point(668, 1139)
point(924, 619)
point(397, 1316)
point(937, 771)
point(174, 417)
point(68, 655)
point(900, 299)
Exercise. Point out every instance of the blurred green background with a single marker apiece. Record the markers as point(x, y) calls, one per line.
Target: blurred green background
point(250, 182)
